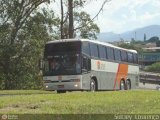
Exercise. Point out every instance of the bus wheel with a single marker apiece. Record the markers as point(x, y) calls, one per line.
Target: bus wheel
point(122, 85)
point(61, 91)
point(92, 85)
point(128, 85)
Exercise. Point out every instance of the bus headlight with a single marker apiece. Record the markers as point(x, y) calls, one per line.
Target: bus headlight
point(46, 86)
point(75, 85)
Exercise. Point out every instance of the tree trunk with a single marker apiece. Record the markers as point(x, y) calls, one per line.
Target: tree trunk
point(62, 21)
point(7, 74)
point(70, 10)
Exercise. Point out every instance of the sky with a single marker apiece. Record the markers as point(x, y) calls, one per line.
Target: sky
point(119, 16)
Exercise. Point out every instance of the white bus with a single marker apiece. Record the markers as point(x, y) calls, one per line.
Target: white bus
point(82, 64)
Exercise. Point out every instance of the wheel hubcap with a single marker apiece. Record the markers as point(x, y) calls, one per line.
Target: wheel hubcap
point(92, 86)
point(122, 85)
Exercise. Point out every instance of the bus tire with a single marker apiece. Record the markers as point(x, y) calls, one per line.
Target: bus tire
point(128, 84)
point(122, 85)
point(61, 91)
point(93, 85)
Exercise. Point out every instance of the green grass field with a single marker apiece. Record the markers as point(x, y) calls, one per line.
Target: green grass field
point(114, 102)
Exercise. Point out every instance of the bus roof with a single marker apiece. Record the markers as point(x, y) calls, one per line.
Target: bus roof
point(93, 41)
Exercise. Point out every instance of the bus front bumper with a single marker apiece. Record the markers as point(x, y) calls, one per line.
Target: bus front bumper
point(63, 86)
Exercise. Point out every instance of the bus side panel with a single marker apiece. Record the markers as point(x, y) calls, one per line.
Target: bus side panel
point(133, 76)
point(105, 80)
point(86, 81)
point(105, 72)
point(109, 74)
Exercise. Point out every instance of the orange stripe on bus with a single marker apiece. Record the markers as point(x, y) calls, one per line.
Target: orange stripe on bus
point(121, 74)
point(116, 77)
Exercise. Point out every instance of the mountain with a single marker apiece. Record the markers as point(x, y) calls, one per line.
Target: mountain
point(137, 34)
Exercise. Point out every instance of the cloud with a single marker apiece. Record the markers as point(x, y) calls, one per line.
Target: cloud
point(156, 3)
point(124, 15)
point(121, 15)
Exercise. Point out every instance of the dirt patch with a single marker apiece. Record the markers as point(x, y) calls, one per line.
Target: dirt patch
point(7, 109)
point(33, 107)
point(15, 106)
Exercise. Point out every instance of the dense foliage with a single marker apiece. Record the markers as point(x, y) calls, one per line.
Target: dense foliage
point(133, 46)
point(154, 68)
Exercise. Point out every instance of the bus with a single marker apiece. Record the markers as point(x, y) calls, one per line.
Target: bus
point(88, 65)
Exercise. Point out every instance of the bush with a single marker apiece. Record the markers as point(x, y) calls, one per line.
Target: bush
point(154, 67)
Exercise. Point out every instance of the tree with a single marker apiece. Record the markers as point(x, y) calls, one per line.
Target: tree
point(133, 46)
point(19, 40)
point(66, 28)
point(68, 23)
point(153, 39)
point(70, 12)
point(154, 67)
point(37, 31)
point(90, 30)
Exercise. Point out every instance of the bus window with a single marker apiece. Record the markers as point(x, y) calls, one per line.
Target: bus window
point(85, 48)
point(86, 64)
point(110, 53)
point(56, 48)
point(117, 54)
point(124, 56)
point(130, 57)
point(135, 58)
point(102, 52)
point(94, 50)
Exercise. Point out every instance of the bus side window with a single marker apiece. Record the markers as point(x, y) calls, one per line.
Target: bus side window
point(94, 50)
point(110, 53)
point(124, 56)
point(130, 57)
point(117, 54)
point(135, 58)
point(85, 48)
point(102, 52)
point(86, 64)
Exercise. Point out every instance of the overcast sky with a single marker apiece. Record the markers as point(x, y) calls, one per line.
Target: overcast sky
point(122, 15)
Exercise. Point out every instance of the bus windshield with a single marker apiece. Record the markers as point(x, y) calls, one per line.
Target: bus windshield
point(62, 59)
point(64, 64)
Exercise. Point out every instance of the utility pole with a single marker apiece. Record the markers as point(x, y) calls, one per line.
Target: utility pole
point(135, 36)
point(144, 37)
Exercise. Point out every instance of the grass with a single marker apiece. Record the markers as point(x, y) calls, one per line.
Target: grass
point(109, 102)
point(23, 92)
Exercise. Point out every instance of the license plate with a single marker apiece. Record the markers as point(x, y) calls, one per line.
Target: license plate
point(60, 86)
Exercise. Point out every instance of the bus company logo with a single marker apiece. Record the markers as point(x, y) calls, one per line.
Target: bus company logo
point(59, 77)
point(98, 65)
point(4, 117)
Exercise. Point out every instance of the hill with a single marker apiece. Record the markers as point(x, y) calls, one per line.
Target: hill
point(137, 34)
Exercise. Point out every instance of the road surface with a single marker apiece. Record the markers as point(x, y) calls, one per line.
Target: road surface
point(148, 86)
